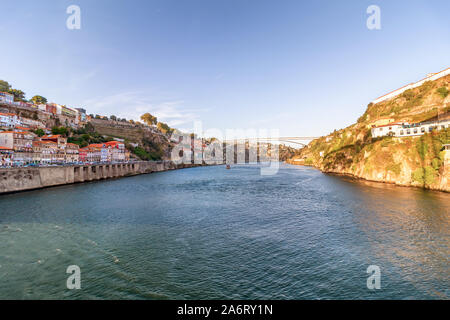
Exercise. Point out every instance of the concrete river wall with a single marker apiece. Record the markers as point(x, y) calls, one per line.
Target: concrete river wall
point(20, 179)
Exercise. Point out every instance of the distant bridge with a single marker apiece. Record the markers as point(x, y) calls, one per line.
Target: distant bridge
point(295, 140)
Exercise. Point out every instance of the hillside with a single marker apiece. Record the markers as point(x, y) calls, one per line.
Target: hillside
point(153, 144)
point(410, 161)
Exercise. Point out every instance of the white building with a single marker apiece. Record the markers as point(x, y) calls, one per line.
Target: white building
point(9, 120)
point(429, 77)
point(6, 98)
point(407, 130)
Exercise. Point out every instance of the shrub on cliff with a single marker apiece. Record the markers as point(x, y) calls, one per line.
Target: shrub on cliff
point(60, 130)
point(443, 92)
point(141, 153)
point(425, 176)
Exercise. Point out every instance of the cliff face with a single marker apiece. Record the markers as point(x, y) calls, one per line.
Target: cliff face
point(151, 141)
point(409, 161)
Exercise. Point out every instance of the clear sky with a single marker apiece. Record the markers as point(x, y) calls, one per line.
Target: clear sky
point(304, 67)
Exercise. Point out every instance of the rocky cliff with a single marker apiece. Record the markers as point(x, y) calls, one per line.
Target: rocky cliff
point(409, 161)
point(154, 142)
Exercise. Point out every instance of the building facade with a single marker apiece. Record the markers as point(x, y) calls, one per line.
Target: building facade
point(72, 153)
point(45, 152)
point(6, 97)
point(9, 120)
point(21, 143)
point(407, 130)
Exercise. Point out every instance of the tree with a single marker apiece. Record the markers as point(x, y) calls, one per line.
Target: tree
point(4, 86)
point(19, 95)
point(149, 119)
point(39, 132)
point(443, 92)
point(60, 130)
point(164, 128)
point(39, 100)
point(113, 118)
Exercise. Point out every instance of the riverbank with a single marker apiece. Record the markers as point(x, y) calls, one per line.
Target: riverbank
point(385, 177)
point(23, 179)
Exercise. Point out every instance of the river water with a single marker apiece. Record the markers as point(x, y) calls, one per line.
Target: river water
point(211, 233)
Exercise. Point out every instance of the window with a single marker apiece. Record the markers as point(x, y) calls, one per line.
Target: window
point(401, 132)
point(430, 128)
point(408, 131)
point(415, 130)
point(422, 129)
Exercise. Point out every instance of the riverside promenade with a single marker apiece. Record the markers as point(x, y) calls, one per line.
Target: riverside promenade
point(27, 178)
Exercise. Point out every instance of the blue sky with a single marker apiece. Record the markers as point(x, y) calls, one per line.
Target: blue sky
point(303, 67)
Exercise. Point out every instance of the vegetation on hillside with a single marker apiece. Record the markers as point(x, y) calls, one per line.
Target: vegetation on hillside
point(416, 160)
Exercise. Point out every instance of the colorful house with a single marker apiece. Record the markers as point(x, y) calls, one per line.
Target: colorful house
point(6, 97)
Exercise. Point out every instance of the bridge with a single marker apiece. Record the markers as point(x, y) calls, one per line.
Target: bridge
point(295, 140)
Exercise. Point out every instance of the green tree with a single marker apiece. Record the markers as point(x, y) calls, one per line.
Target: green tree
point(443, 92)
point(4, 86)
point(60, 130)
point(39, 100)
point(113, 118)
point(141, 153)
point(39, 132)
point(19, 95)
point(149, 119)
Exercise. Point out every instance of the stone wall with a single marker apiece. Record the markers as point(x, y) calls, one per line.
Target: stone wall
point(20, 179)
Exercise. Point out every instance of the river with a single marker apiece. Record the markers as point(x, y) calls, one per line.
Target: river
point(212, 233)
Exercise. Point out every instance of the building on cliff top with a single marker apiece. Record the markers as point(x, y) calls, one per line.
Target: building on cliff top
point(429, 77)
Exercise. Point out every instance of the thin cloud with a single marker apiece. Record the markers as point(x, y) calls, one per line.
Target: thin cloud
point(132, 104)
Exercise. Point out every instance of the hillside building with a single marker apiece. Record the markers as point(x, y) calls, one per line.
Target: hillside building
point(429, 77)
point(6, 97)
point(407, 130)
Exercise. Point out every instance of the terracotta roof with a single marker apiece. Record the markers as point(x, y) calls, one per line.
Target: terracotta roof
point(5, 148)
point(390, 124)
point(96, 145)
point(55, 136)
point(72, 144)
point(21, 132)
point(46, 142)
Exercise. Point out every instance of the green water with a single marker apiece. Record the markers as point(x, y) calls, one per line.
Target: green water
point(211, 233)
